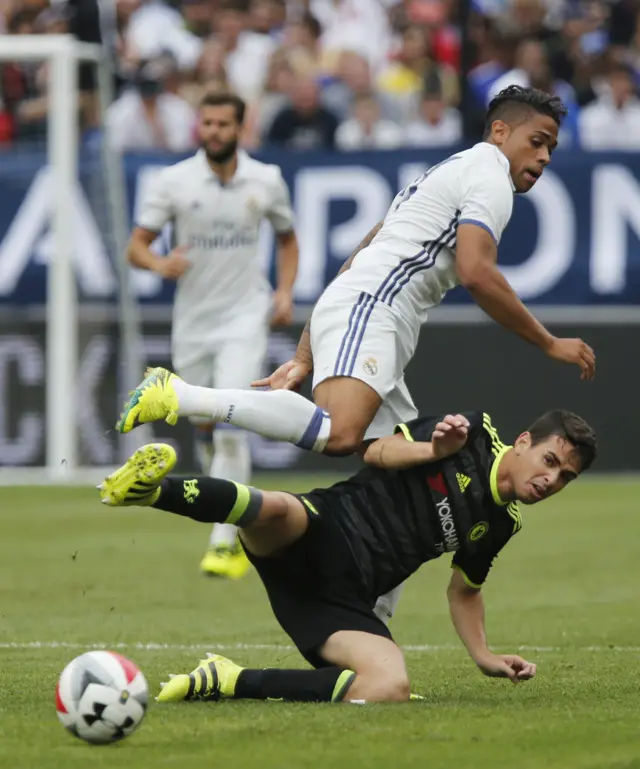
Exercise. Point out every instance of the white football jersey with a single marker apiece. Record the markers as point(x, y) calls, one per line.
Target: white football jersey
point(219, 224)
point(410, 264)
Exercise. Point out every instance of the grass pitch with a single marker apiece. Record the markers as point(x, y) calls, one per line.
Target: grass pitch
point(74, 574)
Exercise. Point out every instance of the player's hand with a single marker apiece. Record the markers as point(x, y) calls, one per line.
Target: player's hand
point(574, 351)
point(289, 376)
point(174, 265)
point(509, 666)
point(282, 314)
point(449, 436)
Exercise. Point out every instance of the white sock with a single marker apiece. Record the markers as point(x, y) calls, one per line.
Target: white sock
point(232, 461)
point(281, 415)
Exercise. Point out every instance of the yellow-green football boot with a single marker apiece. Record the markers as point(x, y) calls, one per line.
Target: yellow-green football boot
point(137, 482)
point(153, 399)
point(227, 561)
point(215, 678)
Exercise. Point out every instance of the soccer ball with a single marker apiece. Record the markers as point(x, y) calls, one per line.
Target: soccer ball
point(101, 697)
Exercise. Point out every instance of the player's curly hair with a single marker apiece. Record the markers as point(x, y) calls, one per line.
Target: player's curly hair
point(572, 428)
point(514, 101)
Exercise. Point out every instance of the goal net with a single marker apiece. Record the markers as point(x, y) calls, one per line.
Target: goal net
point(69, 332)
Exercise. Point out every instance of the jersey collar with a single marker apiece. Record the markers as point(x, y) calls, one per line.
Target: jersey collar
point(242, 170)
point(502, 159)
point(493, 476)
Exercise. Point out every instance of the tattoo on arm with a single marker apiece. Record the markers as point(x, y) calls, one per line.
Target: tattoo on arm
point(364, 243)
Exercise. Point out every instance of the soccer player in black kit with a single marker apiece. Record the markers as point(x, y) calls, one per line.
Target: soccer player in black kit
point(445, 484)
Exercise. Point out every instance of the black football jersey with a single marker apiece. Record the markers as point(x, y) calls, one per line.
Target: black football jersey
point(395, 520)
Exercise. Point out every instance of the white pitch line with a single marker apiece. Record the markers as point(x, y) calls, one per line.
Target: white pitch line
point(421, 648)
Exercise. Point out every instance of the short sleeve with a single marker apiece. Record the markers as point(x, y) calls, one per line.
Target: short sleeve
point(487, 201)
point(421, 429)
point(157, 208)
point(280, 213)
point(475, 566)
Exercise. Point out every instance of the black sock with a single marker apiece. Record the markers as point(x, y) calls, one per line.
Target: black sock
point(210, 500)
point(324, 685)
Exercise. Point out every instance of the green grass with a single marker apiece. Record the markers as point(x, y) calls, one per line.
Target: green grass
point(73, 572)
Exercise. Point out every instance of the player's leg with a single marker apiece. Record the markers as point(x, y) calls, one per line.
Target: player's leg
point(217, 677)
point(200, 370)
point(360, 667)
point(271, 520)
point(315, 590)
point(232, 461)
point(351, 665)
point(381, 673)
point(239, 355)
point(356, 364)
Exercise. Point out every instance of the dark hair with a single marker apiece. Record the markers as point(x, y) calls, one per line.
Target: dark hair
point(20, 17)
point(224, 99)
point(572, 428)
point(312, 24)
point(235, 6)
point(513, 101)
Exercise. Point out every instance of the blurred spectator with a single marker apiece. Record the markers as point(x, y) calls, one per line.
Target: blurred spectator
point(366, 129)
point(306, 124)
point(146, 117)
point(532, 69)
point(247, 53)
point(275, 97)
point(354, 50)
point(153, 29)
point(352, 79)
point(495, 49)
point(7, 128)
point(198, 16)
point(612, 122)
point(302, 42)
point(210, 75)
point(401, 82)
point(438, 124)
point(23, 85)
point(267, 17)
point(353, 25)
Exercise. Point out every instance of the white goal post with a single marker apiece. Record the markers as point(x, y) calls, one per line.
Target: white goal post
point(64, 54)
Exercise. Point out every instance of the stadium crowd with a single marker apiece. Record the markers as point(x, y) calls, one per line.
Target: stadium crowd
point(344, 74)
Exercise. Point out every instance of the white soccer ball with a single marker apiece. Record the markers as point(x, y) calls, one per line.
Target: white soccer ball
point(101, 697)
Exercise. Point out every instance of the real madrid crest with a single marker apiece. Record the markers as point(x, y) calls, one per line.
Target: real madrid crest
point(370, 366)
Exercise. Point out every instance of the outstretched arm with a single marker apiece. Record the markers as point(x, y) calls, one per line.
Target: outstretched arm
point(400, 451)
point(476, 265)
point(467, 613)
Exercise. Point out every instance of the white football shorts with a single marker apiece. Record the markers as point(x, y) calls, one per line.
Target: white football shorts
point(355, 335)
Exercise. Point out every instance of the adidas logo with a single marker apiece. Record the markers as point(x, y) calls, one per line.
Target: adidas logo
point(463, 481)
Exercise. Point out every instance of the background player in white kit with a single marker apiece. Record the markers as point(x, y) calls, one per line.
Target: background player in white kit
point(442, 230)
point(223, 303)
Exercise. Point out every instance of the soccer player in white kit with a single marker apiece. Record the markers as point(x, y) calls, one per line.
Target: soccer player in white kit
point(440, 231)
point(223, 304)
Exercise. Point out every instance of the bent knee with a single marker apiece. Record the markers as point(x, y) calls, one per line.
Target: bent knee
point(343, 442)
point(275, 509)
point(376, 688)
